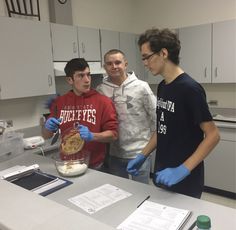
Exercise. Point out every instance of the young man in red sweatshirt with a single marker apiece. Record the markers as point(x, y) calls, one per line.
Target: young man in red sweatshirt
point(95, 113)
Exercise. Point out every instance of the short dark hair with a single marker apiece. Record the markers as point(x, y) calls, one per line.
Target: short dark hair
point(113, 51)
point(76, 64)
point(159, 39)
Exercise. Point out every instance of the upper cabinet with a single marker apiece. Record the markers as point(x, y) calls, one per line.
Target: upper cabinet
point(140, 69)
point(89, 44)
point(26, 58)
point(64, 42)
point(195, 53)
point(72, 42)
point(109, 40)
point(128, 46)
point(208, 52)
point(224, 52)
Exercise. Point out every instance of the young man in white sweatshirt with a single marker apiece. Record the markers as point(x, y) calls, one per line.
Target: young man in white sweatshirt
point(136, 108)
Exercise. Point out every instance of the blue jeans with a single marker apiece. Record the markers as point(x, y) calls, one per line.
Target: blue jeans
point(117, 166)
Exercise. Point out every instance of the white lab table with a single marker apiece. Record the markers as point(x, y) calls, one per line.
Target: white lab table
point(25, 210)
point(112, 216)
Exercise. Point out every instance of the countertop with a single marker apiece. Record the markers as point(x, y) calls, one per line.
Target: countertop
point(25, 210)
point(113, 215)
point(225, 124)
point(224, 117)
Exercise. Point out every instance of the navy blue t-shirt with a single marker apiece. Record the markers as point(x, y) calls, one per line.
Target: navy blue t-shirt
point(181, 107)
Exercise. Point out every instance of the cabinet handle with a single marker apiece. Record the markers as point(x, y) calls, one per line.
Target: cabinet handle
point(74, 47)
point(49, 80)
point(83, 48)
point(216, 72)
point(205, 72)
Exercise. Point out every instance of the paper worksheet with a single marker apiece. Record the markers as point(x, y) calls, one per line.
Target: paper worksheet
point(98, 198)
point(151, 215)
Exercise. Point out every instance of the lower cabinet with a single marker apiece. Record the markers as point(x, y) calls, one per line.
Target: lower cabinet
point(220, 165)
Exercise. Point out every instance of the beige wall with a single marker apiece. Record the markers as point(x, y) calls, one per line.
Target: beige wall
point(43, 5)
point(138, 15)
point(180, 13)
point(25, 112)
point(106, 14)
point(225, 94)
point(130, 16)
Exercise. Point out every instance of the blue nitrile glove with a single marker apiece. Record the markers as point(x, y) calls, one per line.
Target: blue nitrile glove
point(135, 164)
point(171, 176)
point(49, 101)
point(52, 124)
point(85, 133)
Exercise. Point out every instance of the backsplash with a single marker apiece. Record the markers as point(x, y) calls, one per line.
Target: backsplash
point(223, 94)
point(26, 112)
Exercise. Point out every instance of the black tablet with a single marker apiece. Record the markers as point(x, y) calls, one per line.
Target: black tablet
point(34, 180)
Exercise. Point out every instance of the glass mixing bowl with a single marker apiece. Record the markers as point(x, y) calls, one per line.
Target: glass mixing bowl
point(73, 167)
point(73, 159)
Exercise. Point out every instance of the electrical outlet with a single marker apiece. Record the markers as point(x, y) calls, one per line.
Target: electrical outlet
point(9, 123)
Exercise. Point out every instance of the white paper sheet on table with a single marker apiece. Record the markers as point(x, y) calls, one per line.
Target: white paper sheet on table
point(151, 215)
point(98, 198)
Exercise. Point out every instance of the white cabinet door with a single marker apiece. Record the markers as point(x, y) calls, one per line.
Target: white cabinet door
point(195, 53)
point(220, 165)
point(109, 40)
point(89, 44)
point(128, 46)
point(26, 58)
point(224, 52)
point(64, 42)
point(140, 69)
point(220, 170)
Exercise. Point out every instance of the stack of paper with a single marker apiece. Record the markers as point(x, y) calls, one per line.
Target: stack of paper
point(155, 216)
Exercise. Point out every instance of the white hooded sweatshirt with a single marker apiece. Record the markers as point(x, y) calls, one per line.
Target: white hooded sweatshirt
point(136, 108)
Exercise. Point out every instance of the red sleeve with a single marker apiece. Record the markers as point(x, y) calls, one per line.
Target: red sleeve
point(54, 109)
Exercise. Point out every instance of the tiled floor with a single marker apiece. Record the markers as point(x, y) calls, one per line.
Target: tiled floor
point(219, 200)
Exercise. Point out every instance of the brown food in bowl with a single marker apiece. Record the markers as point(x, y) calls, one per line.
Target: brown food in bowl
point(72, 143)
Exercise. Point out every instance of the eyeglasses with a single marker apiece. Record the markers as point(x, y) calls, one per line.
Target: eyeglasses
point(148, 57)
